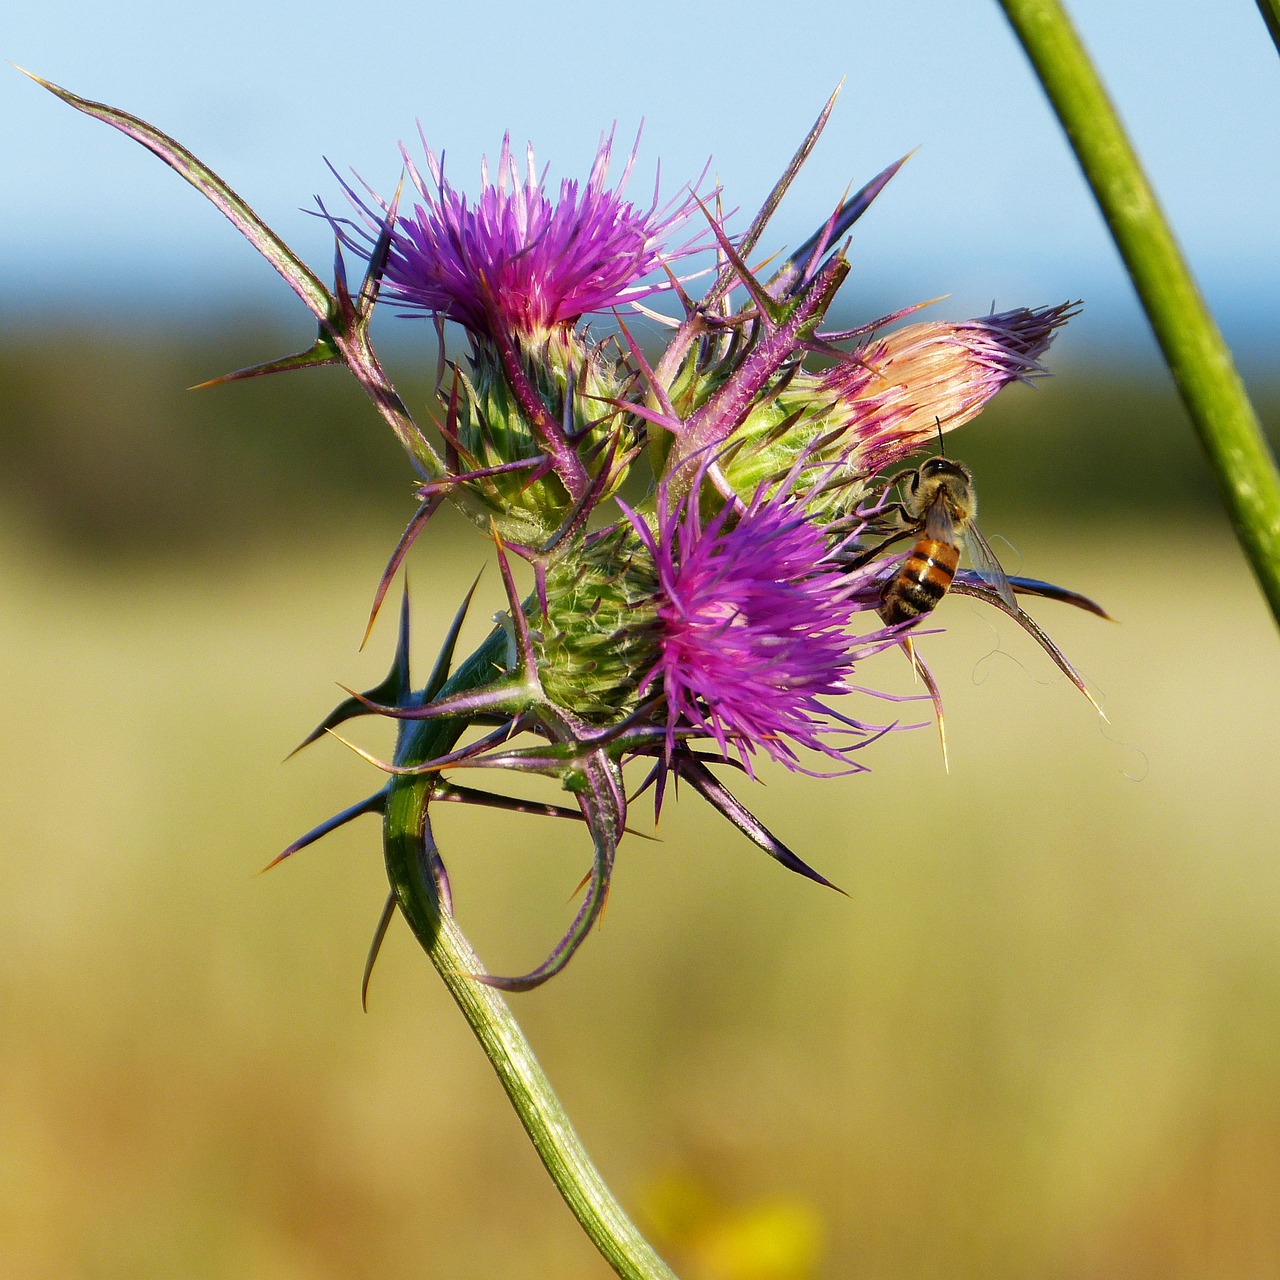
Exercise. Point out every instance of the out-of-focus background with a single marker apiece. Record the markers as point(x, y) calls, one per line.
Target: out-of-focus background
point(1041, 1037)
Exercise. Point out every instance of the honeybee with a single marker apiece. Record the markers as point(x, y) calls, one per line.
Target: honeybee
point(939, 505)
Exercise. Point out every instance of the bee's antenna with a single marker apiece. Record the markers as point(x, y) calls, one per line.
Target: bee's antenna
point(942, 452)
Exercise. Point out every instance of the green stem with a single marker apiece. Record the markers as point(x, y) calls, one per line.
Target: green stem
point(1193, 347)
point(409, 849)
point(1270, 10)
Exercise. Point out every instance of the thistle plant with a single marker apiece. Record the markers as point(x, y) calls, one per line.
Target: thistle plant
point(730, 611)
point(716, 620)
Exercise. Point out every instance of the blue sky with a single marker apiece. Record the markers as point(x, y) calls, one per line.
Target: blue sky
point(990, 208)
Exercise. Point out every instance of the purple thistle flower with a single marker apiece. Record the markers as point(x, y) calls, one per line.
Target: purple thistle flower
point(515, 261)
point(752, 618)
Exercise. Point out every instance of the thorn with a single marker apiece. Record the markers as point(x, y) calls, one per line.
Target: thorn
point(321, 352)
point(379, 933)
point(444, 660)
point(31, 75)
point(367, 756)
point(375, 803)
point(417, 523)
point(935, 696)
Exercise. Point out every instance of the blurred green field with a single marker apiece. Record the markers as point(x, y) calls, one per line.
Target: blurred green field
point(104, 451)
point(1040, 1038)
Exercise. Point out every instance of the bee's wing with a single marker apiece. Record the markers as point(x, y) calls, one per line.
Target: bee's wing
point(940, 524)
point(985, 562)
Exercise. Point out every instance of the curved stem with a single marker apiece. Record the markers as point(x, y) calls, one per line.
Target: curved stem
point(1193, 347)
point(1270, 10)
point(412, 869)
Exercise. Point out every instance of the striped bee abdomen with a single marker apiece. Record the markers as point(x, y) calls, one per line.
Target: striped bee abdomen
point(921, 582)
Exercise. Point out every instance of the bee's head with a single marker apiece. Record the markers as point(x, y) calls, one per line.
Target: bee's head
point(935, 469)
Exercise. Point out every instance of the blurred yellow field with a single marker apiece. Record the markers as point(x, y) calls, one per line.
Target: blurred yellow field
point(1041, 1037)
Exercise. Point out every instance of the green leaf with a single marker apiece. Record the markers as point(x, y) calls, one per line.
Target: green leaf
point(296, 273)
point(322, 351)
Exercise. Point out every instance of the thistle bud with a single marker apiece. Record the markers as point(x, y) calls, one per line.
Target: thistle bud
point(505, 475)
point(600, 635)
point(884, 400)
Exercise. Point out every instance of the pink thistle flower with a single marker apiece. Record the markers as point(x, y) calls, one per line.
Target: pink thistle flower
point(753, 617)
point(892, 393)
point(515, 261)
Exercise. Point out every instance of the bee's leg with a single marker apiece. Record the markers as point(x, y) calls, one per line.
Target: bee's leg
point(881, 508)
point(895, 509)
point(935, 695)
point(901, 480)
point(857, 560)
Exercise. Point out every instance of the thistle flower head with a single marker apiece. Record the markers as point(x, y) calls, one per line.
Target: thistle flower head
point(753, 617)
point(885, 400)
point(891, 394)
point(518, 261)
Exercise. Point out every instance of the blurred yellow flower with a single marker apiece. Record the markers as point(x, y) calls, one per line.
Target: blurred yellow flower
point(772, 1238)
